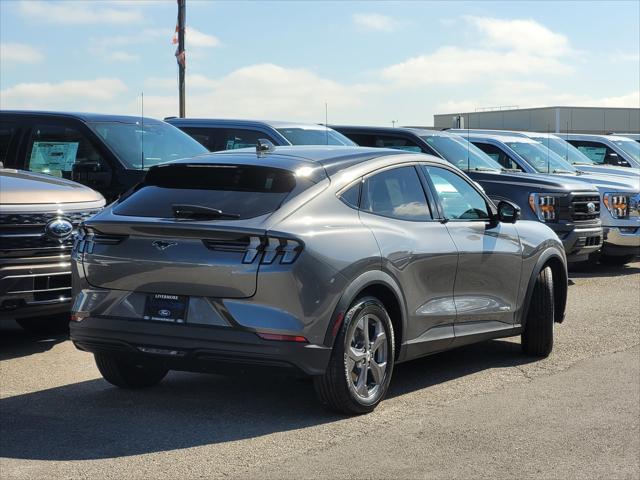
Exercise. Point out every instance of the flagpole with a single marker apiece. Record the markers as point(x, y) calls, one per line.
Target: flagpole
point(181, 54)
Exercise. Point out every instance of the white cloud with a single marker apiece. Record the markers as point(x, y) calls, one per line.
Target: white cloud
point(258, 91)
point(119, 56)
point(18, 53)
point(79, 13)
point(196, 38)
point(374, 21)
point(67, 95)
point(625, 57)
point(526, 36)
point(630, 100)
point(454, 65)
point(504, 50)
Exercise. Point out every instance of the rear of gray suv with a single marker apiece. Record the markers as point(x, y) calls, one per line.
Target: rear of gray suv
point(336, 262)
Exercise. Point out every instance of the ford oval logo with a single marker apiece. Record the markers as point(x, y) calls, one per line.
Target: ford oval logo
point(164, 312)
point(591, 207)
point(59, 228)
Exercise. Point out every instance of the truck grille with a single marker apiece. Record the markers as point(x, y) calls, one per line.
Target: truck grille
point(585, 207)
point(24, 233)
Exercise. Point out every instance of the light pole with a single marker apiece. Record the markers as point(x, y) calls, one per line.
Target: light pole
point(180, 54)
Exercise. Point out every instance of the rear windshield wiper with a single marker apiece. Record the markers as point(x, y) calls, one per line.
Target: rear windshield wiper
point(558, 170)
point(511, 170)
point(199, 212)
point(483, 169)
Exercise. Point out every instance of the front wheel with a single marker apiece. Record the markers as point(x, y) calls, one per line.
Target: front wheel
point(537, 337)
point(126, 373)
point(359, 371)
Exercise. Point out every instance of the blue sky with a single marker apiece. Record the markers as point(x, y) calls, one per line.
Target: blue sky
point(372, 62)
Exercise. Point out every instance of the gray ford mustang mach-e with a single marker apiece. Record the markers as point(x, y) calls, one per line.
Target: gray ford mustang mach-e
point(338, 262)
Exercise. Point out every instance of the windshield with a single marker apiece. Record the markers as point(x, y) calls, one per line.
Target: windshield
point(565, 150)
point(315, 136)
point(630, 147)
point(461, 153)
point(160, 143)
point(543, 159)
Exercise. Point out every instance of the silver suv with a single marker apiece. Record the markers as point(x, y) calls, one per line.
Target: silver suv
point(337, 262)
point(39, 215)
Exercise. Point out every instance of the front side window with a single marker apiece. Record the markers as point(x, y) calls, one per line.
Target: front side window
point(462, 153)
point(315, 136)
point(459, 200)
point(630, 147)
point(541, 158)
point(62, 150)
point(395, 193)
point(242, 138)
point(567, 151)
point(142, 145)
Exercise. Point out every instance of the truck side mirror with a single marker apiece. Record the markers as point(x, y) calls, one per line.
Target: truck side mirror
point(508, 212)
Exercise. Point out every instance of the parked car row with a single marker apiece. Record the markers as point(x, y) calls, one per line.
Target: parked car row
point(375, 246)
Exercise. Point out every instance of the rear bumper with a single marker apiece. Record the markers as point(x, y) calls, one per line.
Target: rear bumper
point(621, 241)
point(195, 348)
point(580, 242)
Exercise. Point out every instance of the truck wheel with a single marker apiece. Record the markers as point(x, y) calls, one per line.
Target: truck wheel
point(52, 324)
point(617, 261)
point(537, 337)
point(126, 373)
point(359, 371)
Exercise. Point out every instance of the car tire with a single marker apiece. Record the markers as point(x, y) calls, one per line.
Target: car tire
point(359, 371)
point(537, 336)
point(617, 261)
point(125, 373)
point(51, 324)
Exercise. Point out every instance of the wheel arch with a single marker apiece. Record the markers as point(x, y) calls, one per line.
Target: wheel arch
point(378, 284)
point(554, 259)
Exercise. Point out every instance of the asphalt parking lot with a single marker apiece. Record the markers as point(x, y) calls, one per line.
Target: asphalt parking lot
point(483, 411)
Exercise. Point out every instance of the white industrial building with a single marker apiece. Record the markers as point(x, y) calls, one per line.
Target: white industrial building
point(546, 119)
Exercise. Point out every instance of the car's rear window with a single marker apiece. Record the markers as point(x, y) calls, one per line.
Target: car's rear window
point(238, 191)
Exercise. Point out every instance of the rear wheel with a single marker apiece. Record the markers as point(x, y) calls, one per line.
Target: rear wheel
point(359, 372)
point(125, 373)
point(617, 261)
point(537, 337)
point(51, 324)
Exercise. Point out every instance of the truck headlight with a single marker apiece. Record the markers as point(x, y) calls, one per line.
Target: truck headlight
point(544, 206)
point(617, 204)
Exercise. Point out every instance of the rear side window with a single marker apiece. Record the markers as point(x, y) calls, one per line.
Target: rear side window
point(237, 191)
point(216, 139)
point(395, 193)
point(351, 196)
point(62, 151)
point(385, 141)
point(498, 155)
point(8, 131)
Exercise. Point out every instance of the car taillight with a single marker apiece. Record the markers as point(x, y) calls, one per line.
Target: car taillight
point(269, 249)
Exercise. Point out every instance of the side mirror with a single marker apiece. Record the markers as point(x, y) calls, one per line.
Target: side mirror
point(612, 159)
point(508, 212)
